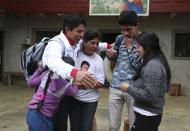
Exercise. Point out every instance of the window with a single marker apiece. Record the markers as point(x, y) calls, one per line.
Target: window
point(41, 34)
point(109, 37)
point(38, 34)
point(181, 44)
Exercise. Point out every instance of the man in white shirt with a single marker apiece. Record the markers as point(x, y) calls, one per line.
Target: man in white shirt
point(64, 45)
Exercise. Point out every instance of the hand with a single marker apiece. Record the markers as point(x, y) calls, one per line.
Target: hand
point(40, 65)
point(124, 87)
point(112, 45)
point(111, 53)
point(128, 42)
point(98, 85)
point(84, 78)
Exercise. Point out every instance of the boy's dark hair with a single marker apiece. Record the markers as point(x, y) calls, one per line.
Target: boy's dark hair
point(68, 60)
point(85, 63)
point(72, 21)
point(129, 18)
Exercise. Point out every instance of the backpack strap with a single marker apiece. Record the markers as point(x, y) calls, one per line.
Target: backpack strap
point(40, 103)
point(118, 41)
point(60, 42)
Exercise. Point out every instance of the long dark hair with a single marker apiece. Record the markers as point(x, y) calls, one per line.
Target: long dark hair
point(150, 43)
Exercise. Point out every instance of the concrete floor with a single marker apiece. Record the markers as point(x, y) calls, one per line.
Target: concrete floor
point(13, 108)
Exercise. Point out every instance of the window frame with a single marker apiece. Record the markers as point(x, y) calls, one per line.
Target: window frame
point(34, 30)
point(174, 32)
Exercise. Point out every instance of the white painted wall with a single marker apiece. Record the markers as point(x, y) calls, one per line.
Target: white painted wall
point(18, 28)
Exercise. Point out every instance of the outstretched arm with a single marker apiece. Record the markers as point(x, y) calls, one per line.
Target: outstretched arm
point(52, 57)
point(35, 79)
point(151, 88)
point(112, 53)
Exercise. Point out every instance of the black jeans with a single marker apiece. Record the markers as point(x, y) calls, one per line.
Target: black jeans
point(82, 115)
point(146, 123)
point(63, 113)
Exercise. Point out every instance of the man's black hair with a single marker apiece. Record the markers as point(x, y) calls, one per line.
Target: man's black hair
point(128, 18)
point(72, 21)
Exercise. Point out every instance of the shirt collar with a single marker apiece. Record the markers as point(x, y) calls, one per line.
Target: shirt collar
point(71, 42)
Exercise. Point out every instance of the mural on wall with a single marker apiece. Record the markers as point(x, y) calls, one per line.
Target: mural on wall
point(114, 7)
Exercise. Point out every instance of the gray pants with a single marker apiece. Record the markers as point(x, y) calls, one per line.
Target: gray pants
point(116, 102)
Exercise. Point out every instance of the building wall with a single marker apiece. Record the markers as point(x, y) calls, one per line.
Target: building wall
point(19, 27)
point(163, 25)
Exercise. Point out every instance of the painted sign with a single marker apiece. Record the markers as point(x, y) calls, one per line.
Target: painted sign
point(114, 7)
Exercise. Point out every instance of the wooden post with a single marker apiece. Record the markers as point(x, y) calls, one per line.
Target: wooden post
point(175, 89)
point(126, 125)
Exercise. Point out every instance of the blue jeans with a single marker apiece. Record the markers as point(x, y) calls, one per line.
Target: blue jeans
point(38, 122)
point(82, 115)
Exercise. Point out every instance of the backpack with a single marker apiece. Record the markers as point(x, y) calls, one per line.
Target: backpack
point(118, 40)
point(31, 56)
